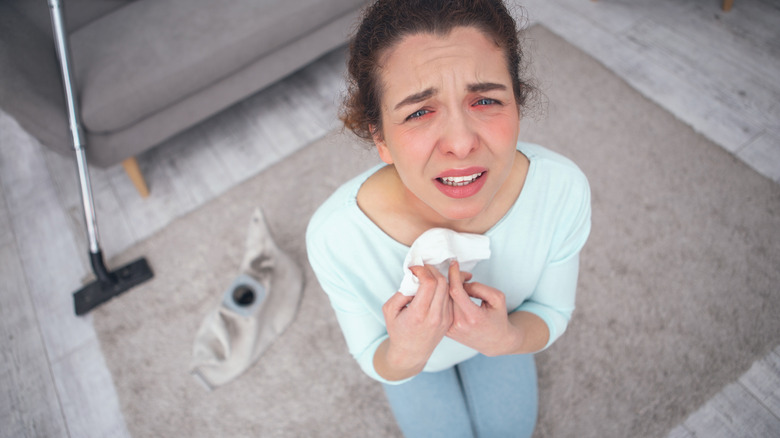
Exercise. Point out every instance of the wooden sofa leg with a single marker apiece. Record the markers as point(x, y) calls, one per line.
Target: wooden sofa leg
point(134, 172)
point(727, 4)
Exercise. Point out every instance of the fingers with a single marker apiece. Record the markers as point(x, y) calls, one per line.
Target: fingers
point(437, 292)
point(484, 293)
point(441, 301)
point(432, 286)
point(456, 275)
point(457, 285)
point(395, 304)
point(427, 285)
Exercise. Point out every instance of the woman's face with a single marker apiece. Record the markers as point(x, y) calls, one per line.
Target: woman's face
point(449, 120)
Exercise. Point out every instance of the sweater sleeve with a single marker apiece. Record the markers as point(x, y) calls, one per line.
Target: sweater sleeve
point(553, 299)
point(363, 333)
point(343, 274)
point(554, 296)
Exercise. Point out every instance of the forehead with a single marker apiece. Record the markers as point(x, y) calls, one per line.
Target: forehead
point(465, 53)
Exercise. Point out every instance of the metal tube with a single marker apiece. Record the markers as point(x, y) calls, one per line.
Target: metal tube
point(74, 123)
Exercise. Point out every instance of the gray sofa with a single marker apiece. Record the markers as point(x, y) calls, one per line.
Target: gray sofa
point(148, 69)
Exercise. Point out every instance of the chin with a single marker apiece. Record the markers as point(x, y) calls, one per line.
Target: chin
point(461, 213)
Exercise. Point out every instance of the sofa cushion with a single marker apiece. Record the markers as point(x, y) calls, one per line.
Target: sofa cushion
point(144, 56)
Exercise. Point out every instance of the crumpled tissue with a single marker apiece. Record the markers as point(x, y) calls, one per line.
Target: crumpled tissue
point(437, 247)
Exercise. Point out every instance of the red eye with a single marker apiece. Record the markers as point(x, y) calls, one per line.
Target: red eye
point(417, 114)
point(486, 101)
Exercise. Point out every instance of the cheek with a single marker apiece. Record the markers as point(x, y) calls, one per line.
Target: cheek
point(504, 128)
point(412, 146)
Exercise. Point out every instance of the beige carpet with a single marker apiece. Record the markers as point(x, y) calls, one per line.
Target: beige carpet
point(678, 292)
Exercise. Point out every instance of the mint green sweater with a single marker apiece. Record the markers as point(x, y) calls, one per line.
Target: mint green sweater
point(534, 257)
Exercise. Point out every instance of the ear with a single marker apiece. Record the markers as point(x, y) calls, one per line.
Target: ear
point(381, 146)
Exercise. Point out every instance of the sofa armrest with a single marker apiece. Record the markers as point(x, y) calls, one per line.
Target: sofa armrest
point(30, 83)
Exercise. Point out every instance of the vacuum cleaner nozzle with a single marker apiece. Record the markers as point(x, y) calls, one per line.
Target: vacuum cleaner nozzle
point(102, 290)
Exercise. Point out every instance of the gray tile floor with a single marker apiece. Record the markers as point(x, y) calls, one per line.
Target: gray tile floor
point(716, 71)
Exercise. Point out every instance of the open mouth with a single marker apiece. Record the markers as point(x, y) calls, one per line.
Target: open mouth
point(459, 181)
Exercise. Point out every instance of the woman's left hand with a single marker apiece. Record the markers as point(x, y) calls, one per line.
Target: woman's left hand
point(486, 327)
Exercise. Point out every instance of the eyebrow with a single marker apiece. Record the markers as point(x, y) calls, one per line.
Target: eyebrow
point(417, 97)
point(485, 86)
point(426, 94)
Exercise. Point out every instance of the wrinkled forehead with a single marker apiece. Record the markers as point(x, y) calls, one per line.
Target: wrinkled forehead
point(384, 54)
point(419, 60)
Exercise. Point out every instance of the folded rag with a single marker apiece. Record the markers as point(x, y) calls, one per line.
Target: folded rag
point(437, 247)
point(252, 313)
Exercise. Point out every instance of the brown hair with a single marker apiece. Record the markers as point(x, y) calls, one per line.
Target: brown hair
point(386, 22)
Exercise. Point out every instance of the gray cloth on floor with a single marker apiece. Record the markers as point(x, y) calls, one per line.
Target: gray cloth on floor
point(257, 308)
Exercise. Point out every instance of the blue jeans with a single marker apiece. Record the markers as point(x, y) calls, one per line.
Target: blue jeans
point(481, 397)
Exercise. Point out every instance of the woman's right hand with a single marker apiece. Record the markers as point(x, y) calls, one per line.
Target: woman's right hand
point(415, 325)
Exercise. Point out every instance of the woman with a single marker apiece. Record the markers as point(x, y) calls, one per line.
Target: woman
point(436, 86)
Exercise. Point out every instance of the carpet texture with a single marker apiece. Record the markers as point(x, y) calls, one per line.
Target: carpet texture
point(678, 290)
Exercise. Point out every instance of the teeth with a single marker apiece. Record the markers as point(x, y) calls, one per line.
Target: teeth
point(460, 180)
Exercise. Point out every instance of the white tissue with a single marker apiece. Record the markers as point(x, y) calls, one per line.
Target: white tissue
point(437, 247)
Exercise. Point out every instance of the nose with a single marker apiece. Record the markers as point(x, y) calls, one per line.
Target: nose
point(458, 137)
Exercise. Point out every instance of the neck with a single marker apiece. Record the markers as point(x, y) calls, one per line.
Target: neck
point(502, 202)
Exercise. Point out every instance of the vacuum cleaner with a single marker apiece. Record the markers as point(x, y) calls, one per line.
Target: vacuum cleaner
point(108, 284)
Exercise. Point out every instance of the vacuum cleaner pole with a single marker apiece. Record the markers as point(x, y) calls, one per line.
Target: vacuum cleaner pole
point(108, 284)
point(74, 123)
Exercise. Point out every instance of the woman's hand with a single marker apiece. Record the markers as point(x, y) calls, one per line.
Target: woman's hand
point(415, 325)
point(442, 306)
point(486, 327)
